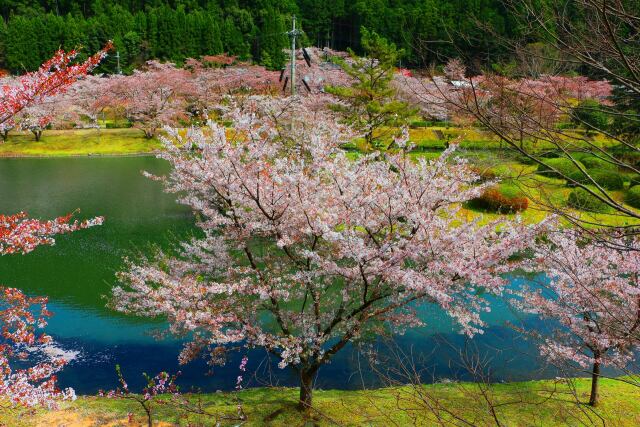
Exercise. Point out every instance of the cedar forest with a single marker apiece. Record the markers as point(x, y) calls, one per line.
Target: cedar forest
point(174, 30)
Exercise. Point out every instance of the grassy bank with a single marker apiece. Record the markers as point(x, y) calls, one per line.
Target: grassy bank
point(482, 152)
point(131, 141)
point(544, 403)
point(79, 142)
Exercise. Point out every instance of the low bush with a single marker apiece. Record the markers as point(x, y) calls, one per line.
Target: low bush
point(634, 180)
point(485, 174)
point(627, 155)
point(633, 196)
point(607, 179)
point(583, 200)
point(420, 124)
point(565, 125)
point(589, 114)
point(593, 162)
point(118, 125)
point(500, 199)
point(428, 123)
point(564, 166)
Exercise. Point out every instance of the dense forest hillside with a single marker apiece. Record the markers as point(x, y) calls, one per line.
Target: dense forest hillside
point(176, 29)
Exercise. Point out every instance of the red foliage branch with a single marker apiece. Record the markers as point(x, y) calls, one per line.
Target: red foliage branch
point(19, 234)
point(52, 78)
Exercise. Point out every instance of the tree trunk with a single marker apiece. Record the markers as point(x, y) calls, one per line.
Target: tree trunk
point(306, 388)
point(5, 135)
point(38, 134)
point(595, 376)
point(149, 133)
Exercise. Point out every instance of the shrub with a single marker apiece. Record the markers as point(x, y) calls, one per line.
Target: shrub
point(118, 125)
point(565, 125)
point(626, 154)
point(500, 199)
point(607, 179)
point(590, 114)
point(485, 174)
point(634, 180)
point(593, 162)
point(564, 166)
point(420, 124)
point(581, 199)
point(633, 196)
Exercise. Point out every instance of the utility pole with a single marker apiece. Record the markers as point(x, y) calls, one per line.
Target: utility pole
point(293, 34)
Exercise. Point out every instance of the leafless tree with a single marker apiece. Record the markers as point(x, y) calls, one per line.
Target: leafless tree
point(598, 38)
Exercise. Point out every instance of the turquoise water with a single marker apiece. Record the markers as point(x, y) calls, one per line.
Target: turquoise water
point(79, 271)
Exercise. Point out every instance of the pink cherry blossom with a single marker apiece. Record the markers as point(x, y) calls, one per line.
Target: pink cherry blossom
point(594, 293)
point(22, 316)
point(307, 249)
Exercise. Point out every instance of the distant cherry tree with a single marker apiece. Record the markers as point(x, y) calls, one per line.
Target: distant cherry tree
point(5, 128)
point(150, 98)
point(214, 84)
point(306, 250)
point(81, 102)
point(594, 293)
point(37, 118)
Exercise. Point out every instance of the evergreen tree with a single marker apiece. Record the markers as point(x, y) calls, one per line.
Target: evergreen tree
point(3, 46)
point(272, 39)
point(211, 37)
point(131, 50)
point(232, 39)
point(372, 106)
point(22, 53)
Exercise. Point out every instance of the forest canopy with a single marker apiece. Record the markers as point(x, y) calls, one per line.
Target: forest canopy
point(428, 30)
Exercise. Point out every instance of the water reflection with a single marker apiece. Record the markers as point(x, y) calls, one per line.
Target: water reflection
point(79, 271)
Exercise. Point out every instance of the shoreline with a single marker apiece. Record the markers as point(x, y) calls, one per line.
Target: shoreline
point(62, 156)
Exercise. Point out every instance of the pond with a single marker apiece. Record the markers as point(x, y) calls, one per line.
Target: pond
point(80, 269)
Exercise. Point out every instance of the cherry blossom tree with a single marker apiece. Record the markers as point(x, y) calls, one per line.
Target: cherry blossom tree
point(594, 293)
point(82, 101)
point(39, 117)
point(514, 108)
point(21, 319)
point(150, 98)
point(214, 84)
point(5, 128)
point(52, 78)
point(422, 93)
point(307, 250)
point(528, 109)
point(22, 316)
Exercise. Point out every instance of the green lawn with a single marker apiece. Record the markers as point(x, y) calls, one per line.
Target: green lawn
point(542, 403)
point(79, 142)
